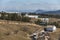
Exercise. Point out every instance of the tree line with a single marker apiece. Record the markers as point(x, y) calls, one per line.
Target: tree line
point(13, 17)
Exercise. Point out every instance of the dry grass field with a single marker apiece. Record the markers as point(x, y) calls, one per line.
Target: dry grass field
point(55, 35)
point(16, 31)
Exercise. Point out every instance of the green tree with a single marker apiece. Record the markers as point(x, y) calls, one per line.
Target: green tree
point(26, 19)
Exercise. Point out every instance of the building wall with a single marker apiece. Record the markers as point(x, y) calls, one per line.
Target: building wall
point(44, 19)
point(31, 16)
point(51, 27)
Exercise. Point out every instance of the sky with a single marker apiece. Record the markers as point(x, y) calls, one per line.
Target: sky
point(30, 4)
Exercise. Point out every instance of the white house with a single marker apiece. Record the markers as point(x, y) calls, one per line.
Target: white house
point(31, 16)
point(44, 19)
point(51, 28)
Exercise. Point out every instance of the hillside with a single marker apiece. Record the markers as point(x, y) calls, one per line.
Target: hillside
point(55, 35)
point(14, 31)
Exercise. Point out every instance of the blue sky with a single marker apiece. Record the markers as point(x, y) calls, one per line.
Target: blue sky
point(30, 4)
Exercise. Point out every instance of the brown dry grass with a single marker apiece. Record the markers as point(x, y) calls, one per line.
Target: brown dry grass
point(7, 31)
point(55, 35)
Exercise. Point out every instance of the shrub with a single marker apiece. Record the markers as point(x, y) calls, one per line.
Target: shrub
point(55, 23)
point(16, 31)
point(26, 19)
point(7, 34)
point(25, 29)
point(38, 21)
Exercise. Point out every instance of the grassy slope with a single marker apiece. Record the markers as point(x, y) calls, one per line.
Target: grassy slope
point(55, 35)
point(7, 31)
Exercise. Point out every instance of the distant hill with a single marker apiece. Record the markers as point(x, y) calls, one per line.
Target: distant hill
point(48, 12)
point(39, 11)
point(35, 11)
point(52, 12)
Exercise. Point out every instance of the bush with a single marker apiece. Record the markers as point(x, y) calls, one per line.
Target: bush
point(16, 31)
point(26, 19)
point(55, 23)
point(37, 22)
point(24, 29)
point(7, 34)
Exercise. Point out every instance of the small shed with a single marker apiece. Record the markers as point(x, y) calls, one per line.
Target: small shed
point(50, 28)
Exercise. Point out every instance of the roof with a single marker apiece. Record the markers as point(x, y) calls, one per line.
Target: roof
point(51, 26)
